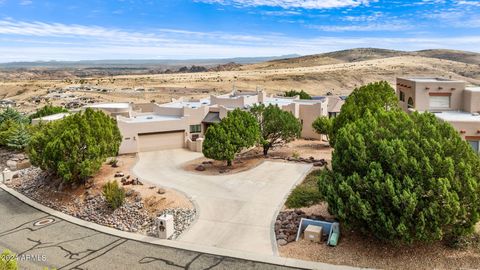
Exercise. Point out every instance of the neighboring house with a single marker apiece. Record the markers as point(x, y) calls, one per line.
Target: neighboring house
point(49, 118)
point(182, 124)
point(450, 100)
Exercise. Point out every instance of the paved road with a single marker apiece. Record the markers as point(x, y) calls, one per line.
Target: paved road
point(235, 211)
point(64, 245)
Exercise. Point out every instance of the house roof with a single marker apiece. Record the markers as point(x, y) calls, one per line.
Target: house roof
point(211, 118)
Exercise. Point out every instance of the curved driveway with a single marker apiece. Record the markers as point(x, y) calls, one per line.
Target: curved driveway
point(64, 245)
point(235, 211)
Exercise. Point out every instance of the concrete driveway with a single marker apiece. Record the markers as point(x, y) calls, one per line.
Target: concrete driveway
point(235, 211)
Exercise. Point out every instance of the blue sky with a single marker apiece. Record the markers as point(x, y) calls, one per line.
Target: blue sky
point(185, 29)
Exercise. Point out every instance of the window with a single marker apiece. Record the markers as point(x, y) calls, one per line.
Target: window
point(410, 103)
point(402, 96)
point(195, 128)
point(475, 145)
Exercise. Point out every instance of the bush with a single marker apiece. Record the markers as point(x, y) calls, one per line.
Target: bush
point(8, 261)
point(302, 94)
point(75, 147)
point(114, 195)
point(403, 178)
point(306, 194)
point(323, 126)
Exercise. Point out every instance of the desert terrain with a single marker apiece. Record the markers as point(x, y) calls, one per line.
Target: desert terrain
point(336, 73)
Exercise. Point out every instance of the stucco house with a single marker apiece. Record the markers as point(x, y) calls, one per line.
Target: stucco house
point(182, 123)
point(450, 100)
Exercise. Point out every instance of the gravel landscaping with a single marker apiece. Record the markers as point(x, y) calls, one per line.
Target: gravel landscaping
point(142, 204)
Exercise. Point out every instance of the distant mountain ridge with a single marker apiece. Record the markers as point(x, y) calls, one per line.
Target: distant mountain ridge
point(365, 54)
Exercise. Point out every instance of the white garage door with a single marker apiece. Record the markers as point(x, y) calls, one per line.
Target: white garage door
point(160, 141)
point(440, 102)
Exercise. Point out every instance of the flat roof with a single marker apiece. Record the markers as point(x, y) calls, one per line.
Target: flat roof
point(430, 79)
point(473, 89)
point(122, 105)
point(152, 118)
point(53, 117)
point(189, 104)
point(458, 116)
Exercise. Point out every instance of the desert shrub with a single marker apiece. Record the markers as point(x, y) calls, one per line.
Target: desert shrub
point(323, 126)
point(305, 194)
point(114, 195)
point(302, 94)
point(75, 147)
point(403, 178)
point(8, 261)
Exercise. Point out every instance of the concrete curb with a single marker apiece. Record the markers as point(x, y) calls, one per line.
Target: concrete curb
point(175, 244)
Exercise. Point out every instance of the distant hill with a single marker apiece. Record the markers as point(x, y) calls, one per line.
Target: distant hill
point(364, 54)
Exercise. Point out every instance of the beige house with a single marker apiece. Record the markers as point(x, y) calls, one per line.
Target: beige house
point(183, 123)
point(451, 101)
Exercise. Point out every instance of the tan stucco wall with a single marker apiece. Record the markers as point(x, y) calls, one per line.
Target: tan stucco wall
point(471, 101)
point(308, 113)
point(470, 128)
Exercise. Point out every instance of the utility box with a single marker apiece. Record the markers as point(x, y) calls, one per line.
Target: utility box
point(165, 226)
point(313, 233)
point(7, 175)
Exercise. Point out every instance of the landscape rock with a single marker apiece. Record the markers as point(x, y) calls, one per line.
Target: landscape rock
point(200, 168)
point(161, 191)
point(282, 242)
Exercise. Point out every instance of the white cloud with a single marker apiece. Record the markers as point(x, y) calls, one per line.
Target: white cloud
point(26, 2)
point(26, 41)
point(306, 4)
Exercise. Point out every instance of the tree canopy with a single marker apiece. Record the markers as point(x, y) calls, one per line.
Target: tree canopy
point(14, 131)
point(277, 126)
point(323, 126)
point(302, 94)
point(75, 147)
point(235, 132)
point(47, 110)
point(403, 178)
point(372, 97)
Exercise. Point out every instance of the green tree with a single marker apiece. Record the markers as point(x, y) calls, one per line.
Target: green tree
point(323, 126)
point(277, 127)
point(11, 114)
point(8, 261)
point(302, 94)
point(372, 97)
point(75, 147)
point(403, 178)
point(17, 136)
point(47, 110)
point(235, 132)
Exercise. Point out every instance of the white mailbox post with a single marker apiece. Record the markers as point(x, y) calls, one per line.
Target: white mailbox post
point(165, 226)
point(7, 175)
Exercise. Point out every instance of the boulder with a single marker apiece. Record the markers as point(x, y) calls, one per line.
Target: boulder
point(12, 164)
point(200, 168)
point(161, 191)
point(282, 242)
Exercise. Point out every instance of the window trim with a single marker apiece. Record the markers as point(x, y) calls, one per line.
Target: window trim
point(196, 128)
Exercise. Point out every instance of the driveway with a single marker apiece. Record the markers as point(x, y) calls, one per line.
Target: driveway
point(42, 240)
point(235, 211)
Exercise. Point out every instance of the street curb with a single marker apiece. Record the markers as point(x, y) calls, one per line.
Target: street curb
point(176, 244)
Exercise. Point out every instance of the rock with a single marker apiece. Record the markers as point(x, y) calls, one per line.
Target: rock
point(319, 164)
point(74, 185)
point(291, 238)
point(129, 192)
point(224, 171)
point(21, 165)
point(161, 191)
point(311, 158)
point(200, 168)
point(61, 187)
point(119, 174)
point(138, 198)
point(207, 162)
point(12, 165)
point(282, 242)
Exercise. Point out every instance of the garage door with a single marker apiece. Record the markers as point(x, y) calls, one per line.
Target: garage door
point(160, 141)
point(439, 102)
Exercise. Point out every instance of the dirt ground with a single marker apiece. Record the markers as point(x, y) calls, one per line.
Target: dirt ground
point(354, 249)
point(254, 157)
point(153, 201)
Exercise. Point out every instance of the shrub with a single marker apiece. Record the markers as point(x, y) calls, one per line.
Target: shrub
point(323, 126)
point(8, 261)
point(75, 147)
point(302, 94)
point(114, 195)
point(305, 194)
point(403, 178)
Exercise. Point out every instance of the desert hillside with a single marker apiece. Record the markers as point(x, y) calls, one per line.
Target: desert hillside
point(338, 72)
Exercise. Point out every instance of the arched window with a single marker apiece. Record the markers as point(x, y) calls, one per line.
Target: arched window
point(410, 102)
